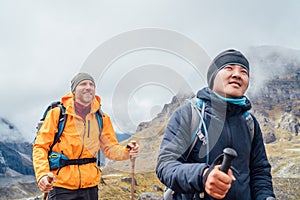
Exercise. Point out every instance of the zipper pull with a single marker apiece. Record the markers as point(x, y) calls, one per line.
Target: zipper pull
point(202, 139)
point(201, 195)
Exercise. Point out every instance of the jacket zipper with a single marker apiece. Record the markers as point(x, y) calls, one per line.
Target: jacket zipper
point(89, 128)
point(229, 134)
point(79, 172)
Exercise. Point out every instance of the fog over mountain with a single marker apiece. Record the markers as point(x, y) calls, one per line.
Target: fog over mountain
point(269, 62)
point(9, 132)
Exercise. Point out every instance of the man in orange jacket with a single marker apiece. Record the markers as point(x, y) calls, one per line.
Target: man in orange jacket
point(80, 140)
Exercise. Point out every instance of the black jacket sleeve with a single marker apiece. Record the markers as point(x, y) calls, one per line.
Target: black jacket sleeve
point(172, 168)
point(261, 179)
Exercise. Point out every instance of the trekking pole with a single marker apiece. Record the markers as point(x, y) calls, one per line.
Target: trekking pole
point(50, 178)
point(132, 159)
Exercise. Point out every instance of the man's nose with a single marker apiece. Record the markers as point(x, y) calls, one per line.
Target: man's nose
point(236, 74)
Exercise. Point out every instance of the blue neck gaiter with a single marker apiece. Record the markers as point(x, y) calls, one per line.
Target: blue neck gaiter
point(239, 101)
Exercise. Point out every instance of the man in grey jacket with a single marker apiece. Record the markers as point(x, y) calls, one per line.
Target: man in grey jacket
point(195, 174)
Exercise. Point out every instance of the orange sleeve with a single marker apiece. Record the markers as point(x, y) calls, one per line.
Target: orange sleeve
point(109, 143)
point(43, 141)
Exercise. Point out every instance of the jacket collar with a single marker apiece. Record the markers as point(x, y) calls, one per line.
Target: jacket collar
point(68, 102)
point(222, 106)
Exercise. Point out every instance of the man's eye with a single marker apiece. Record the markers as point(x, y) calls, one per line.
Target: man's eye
point(244, 72)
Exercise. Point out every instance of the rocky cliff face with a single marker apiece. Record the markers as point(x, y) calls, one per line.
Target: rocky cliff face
point(277, 100)
point(16, 170)
point(15, 155)
point(15, 159)
point(166, 112)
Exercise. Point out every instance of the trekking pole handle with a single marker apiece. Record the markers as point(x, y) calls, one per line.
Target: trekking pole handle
point(133, 143)
point(50, 178)
point(229, 155)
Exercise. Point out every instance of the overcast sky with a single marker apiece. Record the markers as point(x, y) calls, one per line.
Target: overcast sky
point(43, 44)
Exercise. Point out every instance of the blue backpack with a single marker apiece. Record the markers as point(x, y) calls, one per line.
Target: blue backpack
point(58, 160)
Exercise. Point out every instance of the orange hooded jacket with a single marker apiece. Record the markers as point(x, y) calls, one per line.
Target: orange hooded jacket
point(79, 140)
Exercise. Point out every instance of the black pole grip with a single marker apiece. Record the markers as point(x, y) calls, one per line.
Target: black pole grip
point(229, 155)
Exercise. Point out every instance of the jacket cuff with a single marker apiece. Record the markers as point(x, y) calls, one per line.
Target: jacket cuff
point(41, 178)
point(204, 176)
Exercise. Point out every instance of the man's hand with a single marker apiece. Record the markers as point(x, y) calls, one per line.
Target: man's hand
point(218, 183)
point(44, 184)
point(134, 149)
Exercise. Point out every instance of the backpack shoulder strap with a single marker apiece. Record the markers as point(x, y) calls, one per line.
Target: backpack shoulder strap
point(61, 121)
point(197, 105)
point(250, 123)
point(99, 116)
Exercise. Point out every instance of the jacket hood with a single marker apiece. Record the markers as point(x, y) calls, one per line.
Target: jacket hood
point(209, 96)
point(68, 102)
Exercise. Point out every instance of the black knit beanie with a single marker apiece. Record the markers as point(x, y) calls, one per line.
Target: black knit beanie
point(80, 77)
point(226, 57)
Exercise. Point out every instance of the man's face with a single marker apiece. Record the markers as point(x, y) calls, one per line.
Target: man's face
point(84, 92)
point(231, 81)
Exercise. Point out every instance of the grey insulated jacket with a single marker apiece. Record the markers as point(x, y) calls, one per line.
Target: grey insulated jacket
point(226, 128)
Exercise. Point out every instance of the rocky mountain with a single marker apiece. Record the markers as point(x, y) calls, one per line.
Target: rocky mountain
point(16, 170)
point(15, 159)
point(276, 101)
point(15, 155)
